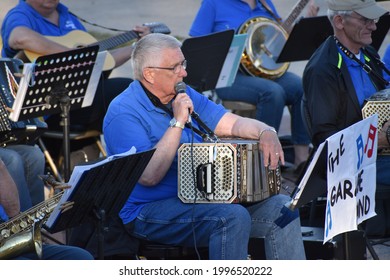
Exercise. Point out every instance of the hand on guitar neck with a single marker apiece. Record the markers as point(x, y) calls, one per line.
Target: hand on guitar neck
point(312, 9)
point(78, 38)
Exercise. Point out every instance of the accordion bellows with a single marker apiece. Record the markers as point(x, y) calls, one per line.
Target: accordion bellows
point(227, 172)
point(378, 103)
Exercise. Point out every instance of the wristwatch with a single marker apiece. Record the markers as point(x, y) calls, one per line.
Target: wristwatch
point(175, 123)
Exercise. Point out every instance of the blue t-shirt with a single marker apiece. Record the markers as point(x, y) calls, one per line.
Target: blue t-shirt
point(24, 15)
point(133, 120)
point(219, 15)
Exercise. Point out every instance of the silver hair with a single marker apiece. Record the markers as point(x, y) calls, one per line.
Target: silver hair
point(333, 13)
point(147, 51)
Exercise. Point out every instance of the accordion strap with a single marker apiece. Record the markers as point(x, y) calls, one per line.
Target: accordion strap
point(367, 68)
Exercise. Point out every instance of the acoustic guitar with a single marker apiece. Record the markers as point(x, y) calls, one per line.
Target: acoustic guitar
point(265, 42)
point(78, 38)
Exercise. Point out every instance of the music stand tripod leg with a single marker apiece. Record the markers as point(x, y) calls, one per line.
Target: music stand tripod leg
point(101, 229)
point(60, 96)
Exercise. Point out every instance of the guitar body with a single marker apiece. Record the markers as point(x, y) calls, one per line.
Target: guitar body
point(264, 44)
point(74, 39)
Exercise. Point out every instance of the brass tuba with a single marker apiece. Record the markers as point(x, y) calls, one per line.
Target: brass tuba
point(22, 233)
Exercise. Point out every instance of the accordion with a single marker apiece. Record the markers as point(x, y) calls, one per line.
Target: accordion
point(231, 172)
point(378, 103)
point(21, 132)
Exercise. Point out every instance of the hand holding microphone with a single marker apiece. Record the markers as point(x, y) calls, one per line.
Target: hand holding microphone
point(180, 88)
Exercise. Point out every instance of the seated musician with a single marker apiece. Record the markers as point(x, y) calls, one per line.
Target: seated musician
point(149, 114)
point(269, 92)
point(27, 26)
point(336, 85)
point(10, 207)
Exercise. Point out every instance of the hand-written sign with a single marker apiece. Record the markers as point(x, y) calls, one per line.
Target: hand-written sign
point(351, 177)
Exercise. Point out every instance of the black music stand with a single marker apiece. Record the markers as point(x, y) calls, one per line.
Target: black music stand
point(309, 33)
point(313, 184)
point(55, 84)
point(305, 37)
point(100, 192)
point(205, 57)
point(382, 28)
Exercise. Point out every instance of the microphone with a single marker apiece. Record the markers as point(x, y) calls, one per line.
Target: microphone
point(180, 87)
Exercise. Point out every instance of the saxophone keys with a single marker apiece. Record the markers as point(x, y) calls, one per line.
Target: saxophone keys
point(39, 215)
point(23, 224)
point(30, 219)
point(15, 228)
point(5, 233)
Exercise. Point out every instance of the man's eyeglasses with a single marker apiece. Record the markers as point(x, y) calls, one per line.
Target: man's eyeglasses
point(365, 21)
point(176, 69)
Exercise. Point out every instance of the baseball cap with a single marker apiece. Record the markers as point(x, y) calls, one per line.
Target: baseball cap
point(367, 8)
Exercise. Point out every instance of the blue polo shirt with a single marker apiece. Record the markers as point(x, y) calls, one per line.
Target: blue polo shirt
point(133, 120)
point(24, 15)
point(219, 15)
point(363, 85)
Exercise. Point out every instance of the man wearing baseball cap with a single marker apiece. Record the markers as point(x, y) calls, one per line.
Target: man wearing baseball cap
point(366, 8)
point(336, 84)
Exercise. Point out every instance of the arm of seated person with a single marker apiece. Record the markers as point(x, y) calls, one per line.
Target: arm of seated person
point(23, 38)
point(123, 54)
point(312, 9)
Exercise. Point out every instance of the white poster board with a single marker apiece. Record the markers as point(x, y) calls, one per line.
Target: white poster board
point(351, 177)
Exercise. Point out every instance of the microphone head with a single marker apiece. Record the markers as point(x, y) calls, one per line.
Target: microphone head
point(180, 87)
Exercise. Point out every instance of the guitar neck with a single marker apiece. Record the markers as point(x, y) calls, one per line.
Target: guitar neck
point(115, 41)
point(287, 24)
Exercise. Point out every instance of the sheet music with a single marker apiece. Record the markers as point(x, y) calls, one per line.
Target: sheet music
point(78, 172)
point(94, 80)
point(306, 177)
point(232, 61)
point(28, 69)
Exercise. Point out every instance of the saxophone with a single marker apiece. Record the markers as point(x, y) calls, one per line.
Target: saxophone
point(22, 233)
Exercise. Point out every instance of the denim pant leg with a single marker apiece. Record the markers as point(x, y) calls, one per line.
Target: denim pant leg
point(14, 163)
point(267, 95)
point(34, 165)
point(223, 228)
point(58, 252)
point(293, 92)
point(280, 227)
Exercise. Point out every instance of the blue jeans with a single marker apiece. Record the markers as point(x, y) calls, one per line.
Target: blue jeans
point(224, 228)
point(270, 97)
point(58, 252)
point(25, 163)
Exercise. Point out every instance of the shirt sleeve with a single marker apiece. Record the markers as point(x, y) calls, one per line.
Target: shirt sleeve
point(13, 20)
point(204, 20)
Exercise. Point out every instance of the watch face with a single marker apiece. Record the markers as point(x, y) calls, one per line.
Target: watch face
point(172, 122)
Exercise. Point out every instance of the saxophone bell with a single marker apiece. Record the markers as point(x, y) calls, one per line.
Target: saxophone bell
point(22, 242)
